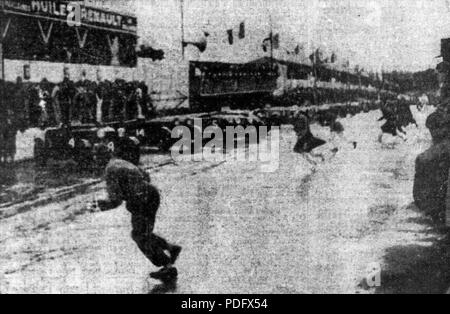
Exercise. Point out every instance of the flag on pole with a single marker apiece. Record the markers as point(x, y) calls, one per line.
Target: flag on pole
point(147, 52)
point(242, 30)
point(346, 64)
point(333, 58)
point(267, 42)
point(276, 41)
point(230, 36)
point(201, 43)
point(272, 41)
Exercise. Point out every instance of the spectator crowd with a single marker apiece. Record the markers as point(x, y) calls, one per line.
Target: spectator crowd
point(43, 105)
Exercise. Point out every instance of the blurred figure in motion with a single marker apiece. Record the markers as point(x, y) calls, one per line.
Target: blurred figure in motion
point(405, 114)
point(306, 142)
point(338, 137)
point(126, 182)
point(393, 125)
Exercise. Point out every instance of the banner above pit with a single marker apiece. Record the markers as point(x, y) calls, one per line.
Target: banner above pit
point(61, 10)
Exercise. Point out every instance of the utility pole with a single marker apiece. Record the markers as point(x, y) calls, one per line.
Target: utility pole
point(271, 37)
point(182, 27)
point(2, 59)
point(271, 32)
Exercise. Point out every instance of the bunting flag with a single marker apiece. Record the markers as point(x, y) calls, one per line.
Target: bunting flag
point(276, 41)
point(201, 45)
point(45, 35)
point(242, 30)
point(273, 40)
point(230, 36)
point(81, 39)
point(333, 58)
point(265, 43)
point(4, 29)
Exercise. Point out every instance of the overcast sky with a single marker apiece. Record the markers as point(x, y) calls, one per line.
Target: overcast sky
point(389, 34)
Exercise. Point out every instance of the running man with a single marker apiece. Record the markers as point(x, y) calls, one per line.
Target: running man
point(392, 125)
point(306, 142)
point(337, 136)
point(405, 114)
point(126, 182)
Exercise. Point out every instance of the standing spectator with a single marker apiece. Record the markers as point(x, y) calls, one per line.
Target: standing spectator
point(9, 133)
point(63, 95)
point(131, 105)
point(56, 104)
point(117, 108)
point(66, 95)
point(19, 103)
point(104, 99)
point(145, 102)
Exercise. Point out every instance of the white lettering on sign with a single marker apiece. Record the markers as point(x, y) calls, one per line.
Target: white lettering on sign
point(76, 13)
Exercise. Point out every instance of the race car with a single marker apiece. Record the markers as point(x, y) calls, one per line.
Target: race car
point(76, 142)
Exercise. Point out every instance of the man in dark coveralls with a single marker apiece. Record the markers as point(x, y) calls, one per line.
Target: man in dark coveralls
point(127, 182)
point(306, 142)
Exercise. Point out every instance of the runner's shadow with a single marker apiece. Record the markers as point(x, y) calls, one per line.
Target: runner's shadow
point(164, 287)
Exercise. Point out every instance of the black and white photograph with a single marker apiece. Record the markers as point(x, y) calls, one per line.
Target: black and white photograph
point(224, 147)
